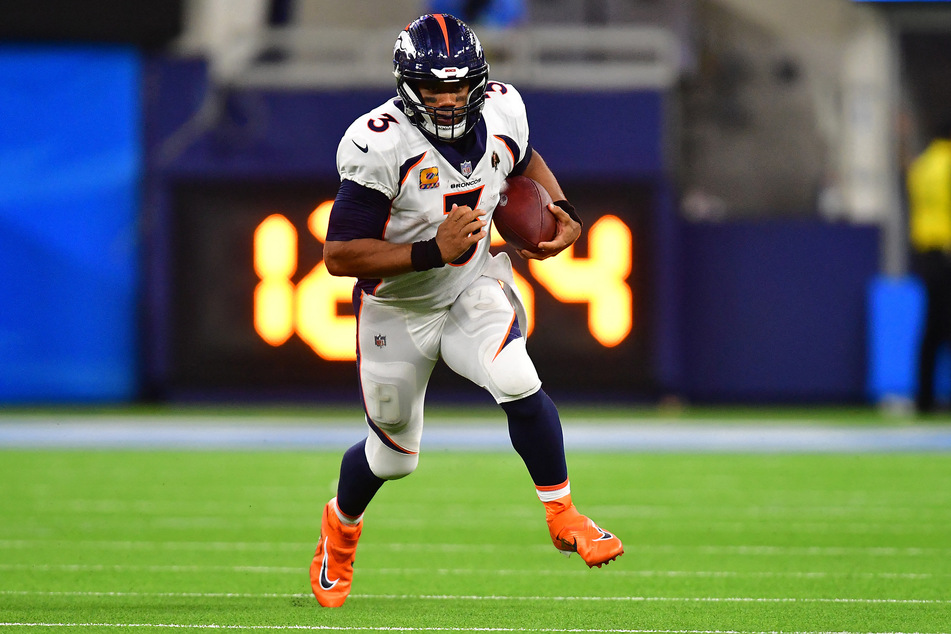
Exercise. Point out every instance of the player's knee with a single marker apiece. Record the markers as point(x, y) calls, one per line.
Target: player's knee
point(395, 466)
point(387, 463)
point(512, 373)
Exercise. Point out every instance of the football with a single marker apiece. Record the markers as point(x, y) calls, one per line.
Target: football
point(522, 216)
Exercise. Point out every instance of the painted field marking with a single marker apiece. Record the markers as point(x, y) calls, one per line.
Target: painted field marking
point(358, 628)
point(473, 597)
point(288, 570)
point(468, 572)
point(93, 522)
point(934, 507)
point(820, 551)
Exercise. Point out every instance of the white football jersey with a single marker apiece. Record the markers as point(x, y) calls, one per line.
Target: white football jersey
point(384, 151)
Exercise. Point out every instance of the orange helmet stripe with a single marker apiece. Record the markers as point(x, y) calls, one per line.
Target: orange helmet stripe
point(442, 24)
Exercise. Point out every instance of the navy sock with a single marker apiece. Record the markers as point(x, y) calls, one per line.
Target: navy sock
point(535, 430)
point(358, 484)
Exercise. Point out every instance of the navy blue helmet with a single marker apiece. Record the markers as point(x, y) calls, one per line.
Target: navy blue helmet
point(440, 48)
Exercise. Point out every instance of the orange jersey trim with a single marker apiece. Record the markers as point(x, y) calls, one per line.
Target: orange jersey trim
point(507, 148)
point(506, 337)
point(412, 167)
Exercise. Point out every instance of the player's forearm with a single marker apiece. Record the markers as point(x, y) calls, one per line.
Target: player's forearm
point(367, 258)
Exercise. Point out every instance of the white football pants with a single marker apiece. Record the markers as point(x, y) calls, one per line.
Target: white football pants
point(398, 348)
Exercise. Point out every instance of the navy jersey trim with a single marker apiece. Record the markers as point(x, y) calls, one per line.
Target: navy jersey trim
point(364, 285)
point(512, 146)
point(469, 148)
point(514, 333)
point(408, 166)
point(520, 166)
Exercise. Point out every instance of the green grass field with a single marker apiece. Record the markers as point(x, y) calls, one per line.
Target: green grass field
point(202, 539)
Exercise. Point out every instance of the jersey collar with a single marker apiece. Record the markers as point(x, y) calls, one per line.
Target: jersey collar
point(467, 150)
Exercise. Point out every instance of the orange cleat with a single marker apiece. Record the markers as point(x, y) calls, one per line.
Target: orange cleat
point(572, 532)
point(331, 571)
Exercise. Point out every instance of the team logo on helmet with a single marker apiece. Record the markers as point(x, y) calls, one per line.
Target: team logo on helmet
point(477, 43)
point(404, 44)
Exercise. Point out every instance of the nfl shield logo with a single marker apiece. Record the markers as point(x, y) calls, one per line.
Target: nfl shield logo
point(466, 168)
point(379, 340)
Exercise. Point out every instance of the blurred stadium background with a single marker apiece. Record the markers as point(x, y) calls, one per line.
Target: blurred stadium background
point(163, 166)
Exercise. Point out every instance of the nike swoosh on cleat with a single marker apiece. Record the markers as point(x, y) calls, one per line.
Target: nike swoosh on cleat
point(604, 535)
point(325, 581)
point(362, 148)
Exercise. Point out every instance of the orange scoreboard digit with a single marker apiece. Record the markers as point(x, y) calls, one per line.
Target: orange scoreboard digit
point(254, 306)
point(309, 308)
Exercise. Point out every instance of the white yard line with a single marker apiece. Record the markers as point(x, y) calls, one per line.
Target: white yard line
point(222, 546)
point(93, 525)
point(477, 598)
point(468, 572)
point(344, 628)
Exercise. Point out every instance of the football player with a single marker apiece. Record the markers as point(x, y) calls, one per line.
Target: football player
point(420, 177)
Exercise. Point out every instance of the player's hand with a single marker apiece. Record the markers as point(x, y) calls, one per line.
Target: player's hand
point(568, 231)
point(462, 228)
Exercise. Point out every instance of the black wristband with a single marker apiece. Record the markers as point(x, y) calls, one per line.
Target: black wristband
point(570, 210)
point(426, 255)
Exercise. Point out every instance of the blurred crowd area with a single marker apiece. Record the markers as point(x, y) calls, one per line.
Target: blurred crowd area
point(828, 99)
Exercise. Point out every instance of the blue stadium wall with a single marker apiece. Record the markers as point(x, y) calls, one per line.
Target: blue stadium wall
point(70, 174)
point(773, 311)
